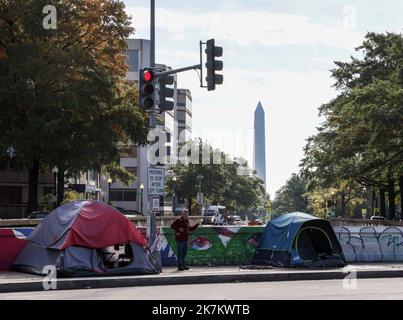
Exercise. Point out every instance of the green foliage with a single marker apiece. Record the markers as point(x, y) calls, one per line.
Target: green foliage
point(71, 195)
point(228, 183)
point(361, 141)
point(64, 99)
point(48, 202)
point(291, 197)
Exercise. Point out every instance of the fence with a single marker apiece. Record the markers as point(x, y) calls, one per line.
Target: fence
point(141, 221)
point(339, 222)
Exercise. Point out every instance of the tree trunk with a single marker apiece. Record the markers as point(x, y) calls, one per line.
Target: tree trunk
point(190, 205)
point(33, 187)
point(382, 203)
point(373, 203)
point(401, 195)
point(60, 186)
point(343, 205)
point(391, 199)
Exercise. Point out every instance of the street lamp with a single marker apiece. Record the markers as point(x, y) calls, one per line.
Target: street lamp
point(109, 190)
point(199, 178)
point(141, 198)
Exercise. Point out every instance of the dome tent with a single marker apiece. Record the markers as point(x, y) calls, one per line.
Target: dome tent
point(74, 236)
point(299, 240)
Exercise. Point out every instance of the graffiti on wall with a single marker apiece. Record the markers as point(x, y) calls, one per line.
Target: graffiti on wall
point(371, 244)
point(237, 245)
point(213, 245)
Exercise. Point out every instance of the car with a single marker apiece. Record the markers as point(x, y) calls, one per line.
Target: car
point(257, 222)
point(38, 214)
point(377, 218)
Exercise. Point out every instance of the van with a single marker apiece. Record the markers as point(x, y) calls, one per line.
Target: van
point(214, 215)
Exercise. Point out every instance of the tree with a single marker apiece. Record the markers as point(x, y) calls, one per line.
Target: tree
point(63, 96)
point(223, 183)
point(291, 197)
point(361, 139)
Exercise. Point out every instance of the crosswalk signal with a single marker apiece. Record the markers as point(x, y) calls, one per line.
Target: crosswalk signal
point(146, 89)
point(165, 92)
point(213, 65)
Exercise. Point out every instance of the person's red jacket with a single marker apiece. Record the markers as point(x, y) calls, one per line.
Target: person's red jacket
point(182, 229)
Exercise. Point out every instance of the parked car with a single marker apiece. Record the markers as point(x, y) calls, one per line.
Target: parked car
point(377, 218)
point(257, 222)
point(233, 219)
point(38, 215)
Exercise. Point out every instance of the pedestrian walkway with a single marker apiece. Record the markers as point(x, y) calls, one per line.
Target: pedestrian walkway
point(18, 282)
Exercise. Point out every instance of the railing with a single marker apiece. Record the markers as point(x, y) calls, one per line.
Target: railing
point(138, 221)
point(22, 177)
point(338, 222)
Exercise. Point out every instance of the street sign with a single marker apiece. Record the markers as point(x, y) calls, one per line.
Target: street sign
point(156, 182)
point(156, 204)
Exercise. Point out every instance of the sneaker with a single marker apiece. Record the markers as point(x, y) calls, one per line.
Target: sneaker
point(185, 268)
point(180, 268)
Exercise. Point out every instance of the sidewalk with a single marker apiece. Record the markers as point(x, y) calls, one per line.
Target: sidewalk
point(19, 282)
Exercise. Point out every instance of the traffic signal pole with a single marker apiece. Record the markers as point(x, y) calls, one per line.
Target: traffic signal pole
point(151, 218)
point(152, 114)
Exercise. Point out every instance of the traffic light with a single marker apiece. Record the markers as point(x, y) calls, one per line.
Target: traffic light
point(146, 89)
point(166, 93)
point(213, 65)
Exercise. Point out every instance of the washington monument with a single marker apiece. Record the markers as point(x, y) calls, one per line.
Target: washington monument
point(259, 146)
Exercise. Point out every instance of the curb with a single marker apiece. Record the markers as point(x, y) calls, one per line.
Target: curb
point(133, 281)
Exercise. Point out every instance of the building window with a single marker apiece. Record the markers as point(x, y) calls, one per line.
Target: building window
point(15, 195)
point(133, 60)
point(123, 194)
point(129, 152)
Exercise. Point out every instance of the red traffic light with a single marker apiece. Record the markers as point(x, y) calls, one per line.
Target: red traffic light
point(148, 75)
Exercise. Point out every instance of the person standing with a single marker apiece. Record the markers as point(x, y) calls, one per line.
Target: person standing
point(182, 229)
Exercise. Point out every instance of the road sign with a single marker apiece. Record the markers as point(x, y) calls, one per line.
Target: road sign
point(156, 182)
point(156, 204)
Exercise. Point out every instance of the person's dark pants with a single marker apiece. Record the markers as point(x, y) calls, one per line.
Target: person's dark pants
point(182, 248)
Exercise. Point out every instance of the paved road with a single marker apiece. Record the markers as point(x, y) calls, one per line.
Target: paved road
point(329, 289)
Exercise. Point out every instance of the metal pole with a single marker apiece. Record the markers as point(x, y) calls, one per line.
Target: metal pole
point(174, 199)
point(179, 70)
point(200, 204)
point(141, 195)
point(109, 193)
point(152, 34)
point(152, 122)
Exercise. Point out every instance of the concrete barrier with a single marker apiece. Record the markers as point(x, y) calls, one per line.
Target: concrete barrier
point(233, 245)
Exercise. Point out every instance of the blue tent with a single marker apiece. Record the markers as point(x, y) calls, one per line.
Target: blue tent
point(299, 240)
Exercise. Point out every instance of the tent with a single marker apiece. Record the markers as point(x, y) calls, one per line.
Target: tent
point(84, 238)
point(299, 240)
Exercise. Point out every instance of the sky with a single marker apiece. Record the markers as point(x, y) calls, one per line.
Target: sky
point(279, 52)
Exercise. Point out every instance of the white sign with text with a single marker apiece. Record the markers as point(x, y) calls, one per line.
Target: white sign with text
point(156, 182)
